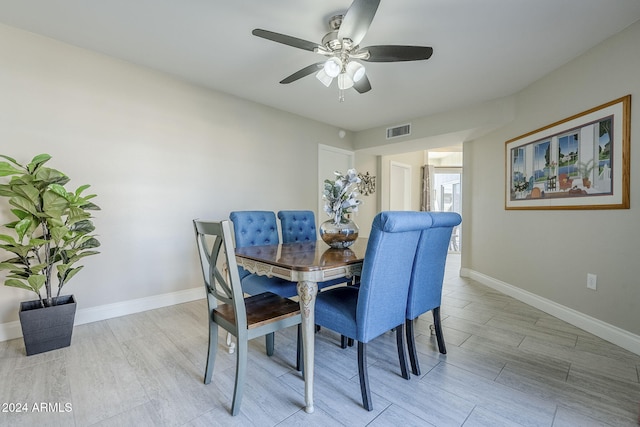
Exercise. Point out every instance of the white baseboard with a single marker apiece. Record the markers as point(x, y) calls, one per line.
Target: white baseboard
point(9, 331)
point(13, 330)
point(607, 332)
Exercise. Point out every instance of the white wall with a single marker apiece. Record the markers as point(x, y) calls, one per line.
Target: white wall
point(450, 159)
point(547, 254)
point(158, 153)
point(370, 204)
point(415, 160)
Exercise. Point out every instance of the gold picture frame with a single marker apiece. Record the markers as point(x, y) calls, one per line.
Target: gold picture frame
point(581, 162)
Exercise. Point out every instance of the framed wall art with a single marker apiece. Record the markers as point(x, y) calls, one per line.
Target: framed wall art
point(581, 162)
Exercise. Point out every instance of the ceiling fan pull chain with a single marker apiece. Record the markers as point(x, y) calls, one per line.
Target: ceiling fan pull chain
point(340, 95)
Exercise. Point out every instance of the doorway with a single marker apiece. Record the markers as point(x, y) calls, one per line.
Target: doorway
point(447, 192)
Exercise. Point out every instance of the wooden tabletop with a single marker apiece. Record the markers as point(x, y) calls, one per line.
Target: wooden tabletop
point(305, 256)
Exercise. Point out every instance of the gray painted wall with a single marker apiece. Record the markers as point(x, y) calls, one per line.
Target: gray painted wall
point(549, 253)
point(158, 153)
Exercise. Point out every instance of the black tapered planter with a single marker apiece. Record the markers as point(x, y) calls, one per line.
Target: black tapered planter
point(48, 328)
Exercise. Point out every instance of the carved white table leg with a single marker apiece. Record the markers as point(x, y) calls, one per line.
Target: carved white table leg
point(307, 292)
point(231, 346)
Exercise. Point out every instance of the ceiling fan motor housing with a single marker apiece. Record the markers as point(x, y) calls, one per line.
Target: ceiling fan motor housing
point(335, 22)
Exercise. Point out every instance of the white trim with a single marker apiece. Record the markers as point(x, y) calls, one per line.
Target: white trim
point(13, 330)
point(9, 331)
point(613, 334)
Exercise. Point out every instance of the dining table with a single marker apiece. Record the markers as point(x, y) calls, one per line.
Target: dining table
point(306, 263)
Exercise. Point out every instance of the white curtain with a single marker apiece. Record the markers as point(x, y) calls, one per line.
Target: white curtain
point(425, 196)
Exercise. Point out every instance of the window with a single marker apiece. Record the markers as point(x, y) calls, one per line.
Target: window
point(568, 154)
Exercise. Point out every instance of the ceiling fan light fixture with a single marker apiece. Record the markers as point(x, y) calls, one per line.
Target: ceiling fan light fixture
point(355, 70)
point(324, 78)
point(344, 81)
point(333, 66)
point(341, 49)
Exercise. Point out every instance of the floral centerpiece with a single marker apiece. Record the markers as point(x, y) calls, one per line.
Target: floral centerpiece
point(340, 195)
point(340, 199)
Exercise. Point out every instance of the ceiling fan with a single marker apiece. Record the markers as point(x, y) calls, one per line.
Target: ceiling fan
point(342, 48)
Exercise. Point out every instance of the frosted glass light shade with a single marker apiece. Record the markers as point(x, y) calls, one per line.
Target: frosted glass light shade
point(333, 66)
point(324, 78)
point(355, 70)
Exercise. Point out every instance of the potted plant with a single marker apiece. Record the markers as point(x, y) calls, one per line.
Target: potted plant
point(340, 200)
point(585, 169)
point(52, 231)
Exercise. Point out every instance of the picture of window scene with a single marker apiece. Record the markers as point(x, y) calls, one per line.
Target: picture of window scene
point(573, 163)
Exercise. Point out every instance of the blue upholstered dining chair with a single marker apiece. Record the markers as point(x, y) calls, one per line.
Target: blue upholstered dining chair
point(300, 226)
point(297, 226)
point(379, 304)
point(425, 291)
point(258, 228)
point(245, 318)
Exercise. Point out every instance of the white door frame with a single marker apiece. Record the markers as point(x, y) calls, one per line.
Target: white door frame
point(402, 180)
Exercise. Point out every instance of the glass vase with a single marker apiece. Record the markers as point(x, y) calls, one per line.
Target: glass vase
point(340, 235)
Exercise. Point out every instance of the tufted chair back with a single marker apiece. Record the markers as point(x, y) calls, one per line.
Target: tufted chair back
point(254, 228)
point(297, 226)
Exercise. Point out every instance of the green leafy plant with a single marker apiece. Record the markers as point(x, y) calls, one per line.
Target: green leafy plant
point(52, 227)
point(585, 169)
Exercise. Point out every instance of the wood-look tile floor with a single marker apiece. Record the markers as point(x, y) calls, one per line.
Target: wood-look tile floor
point(507, 364)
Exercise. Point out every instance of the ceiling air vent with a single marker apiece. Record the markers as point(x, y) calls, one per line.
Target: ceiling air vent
point(398, 131)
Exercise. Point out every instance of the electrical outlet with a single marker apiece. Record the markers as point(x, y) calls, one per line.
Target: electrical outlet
point(591, 281)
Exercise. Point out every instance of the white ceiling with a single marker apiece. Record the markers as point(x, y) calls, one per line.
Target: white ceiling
point(483, 49)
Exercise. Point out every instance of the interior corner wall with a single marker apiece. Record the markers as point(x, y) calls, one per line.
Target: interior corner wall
point(158, 152)
point(548, 253)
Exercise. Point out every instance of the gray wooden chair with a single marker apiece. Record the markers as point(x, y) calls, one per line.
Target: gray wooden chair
point(245, 318)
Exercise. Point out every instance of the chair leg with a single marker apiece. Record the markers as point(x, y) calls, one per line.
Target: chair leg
point(344, 342)
point(411, 346)
point(438, 326)
point(241, 372)
point(299, 354)
point(364, 376)
point(269, 342)
point(404, 369)
point(211, 353)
